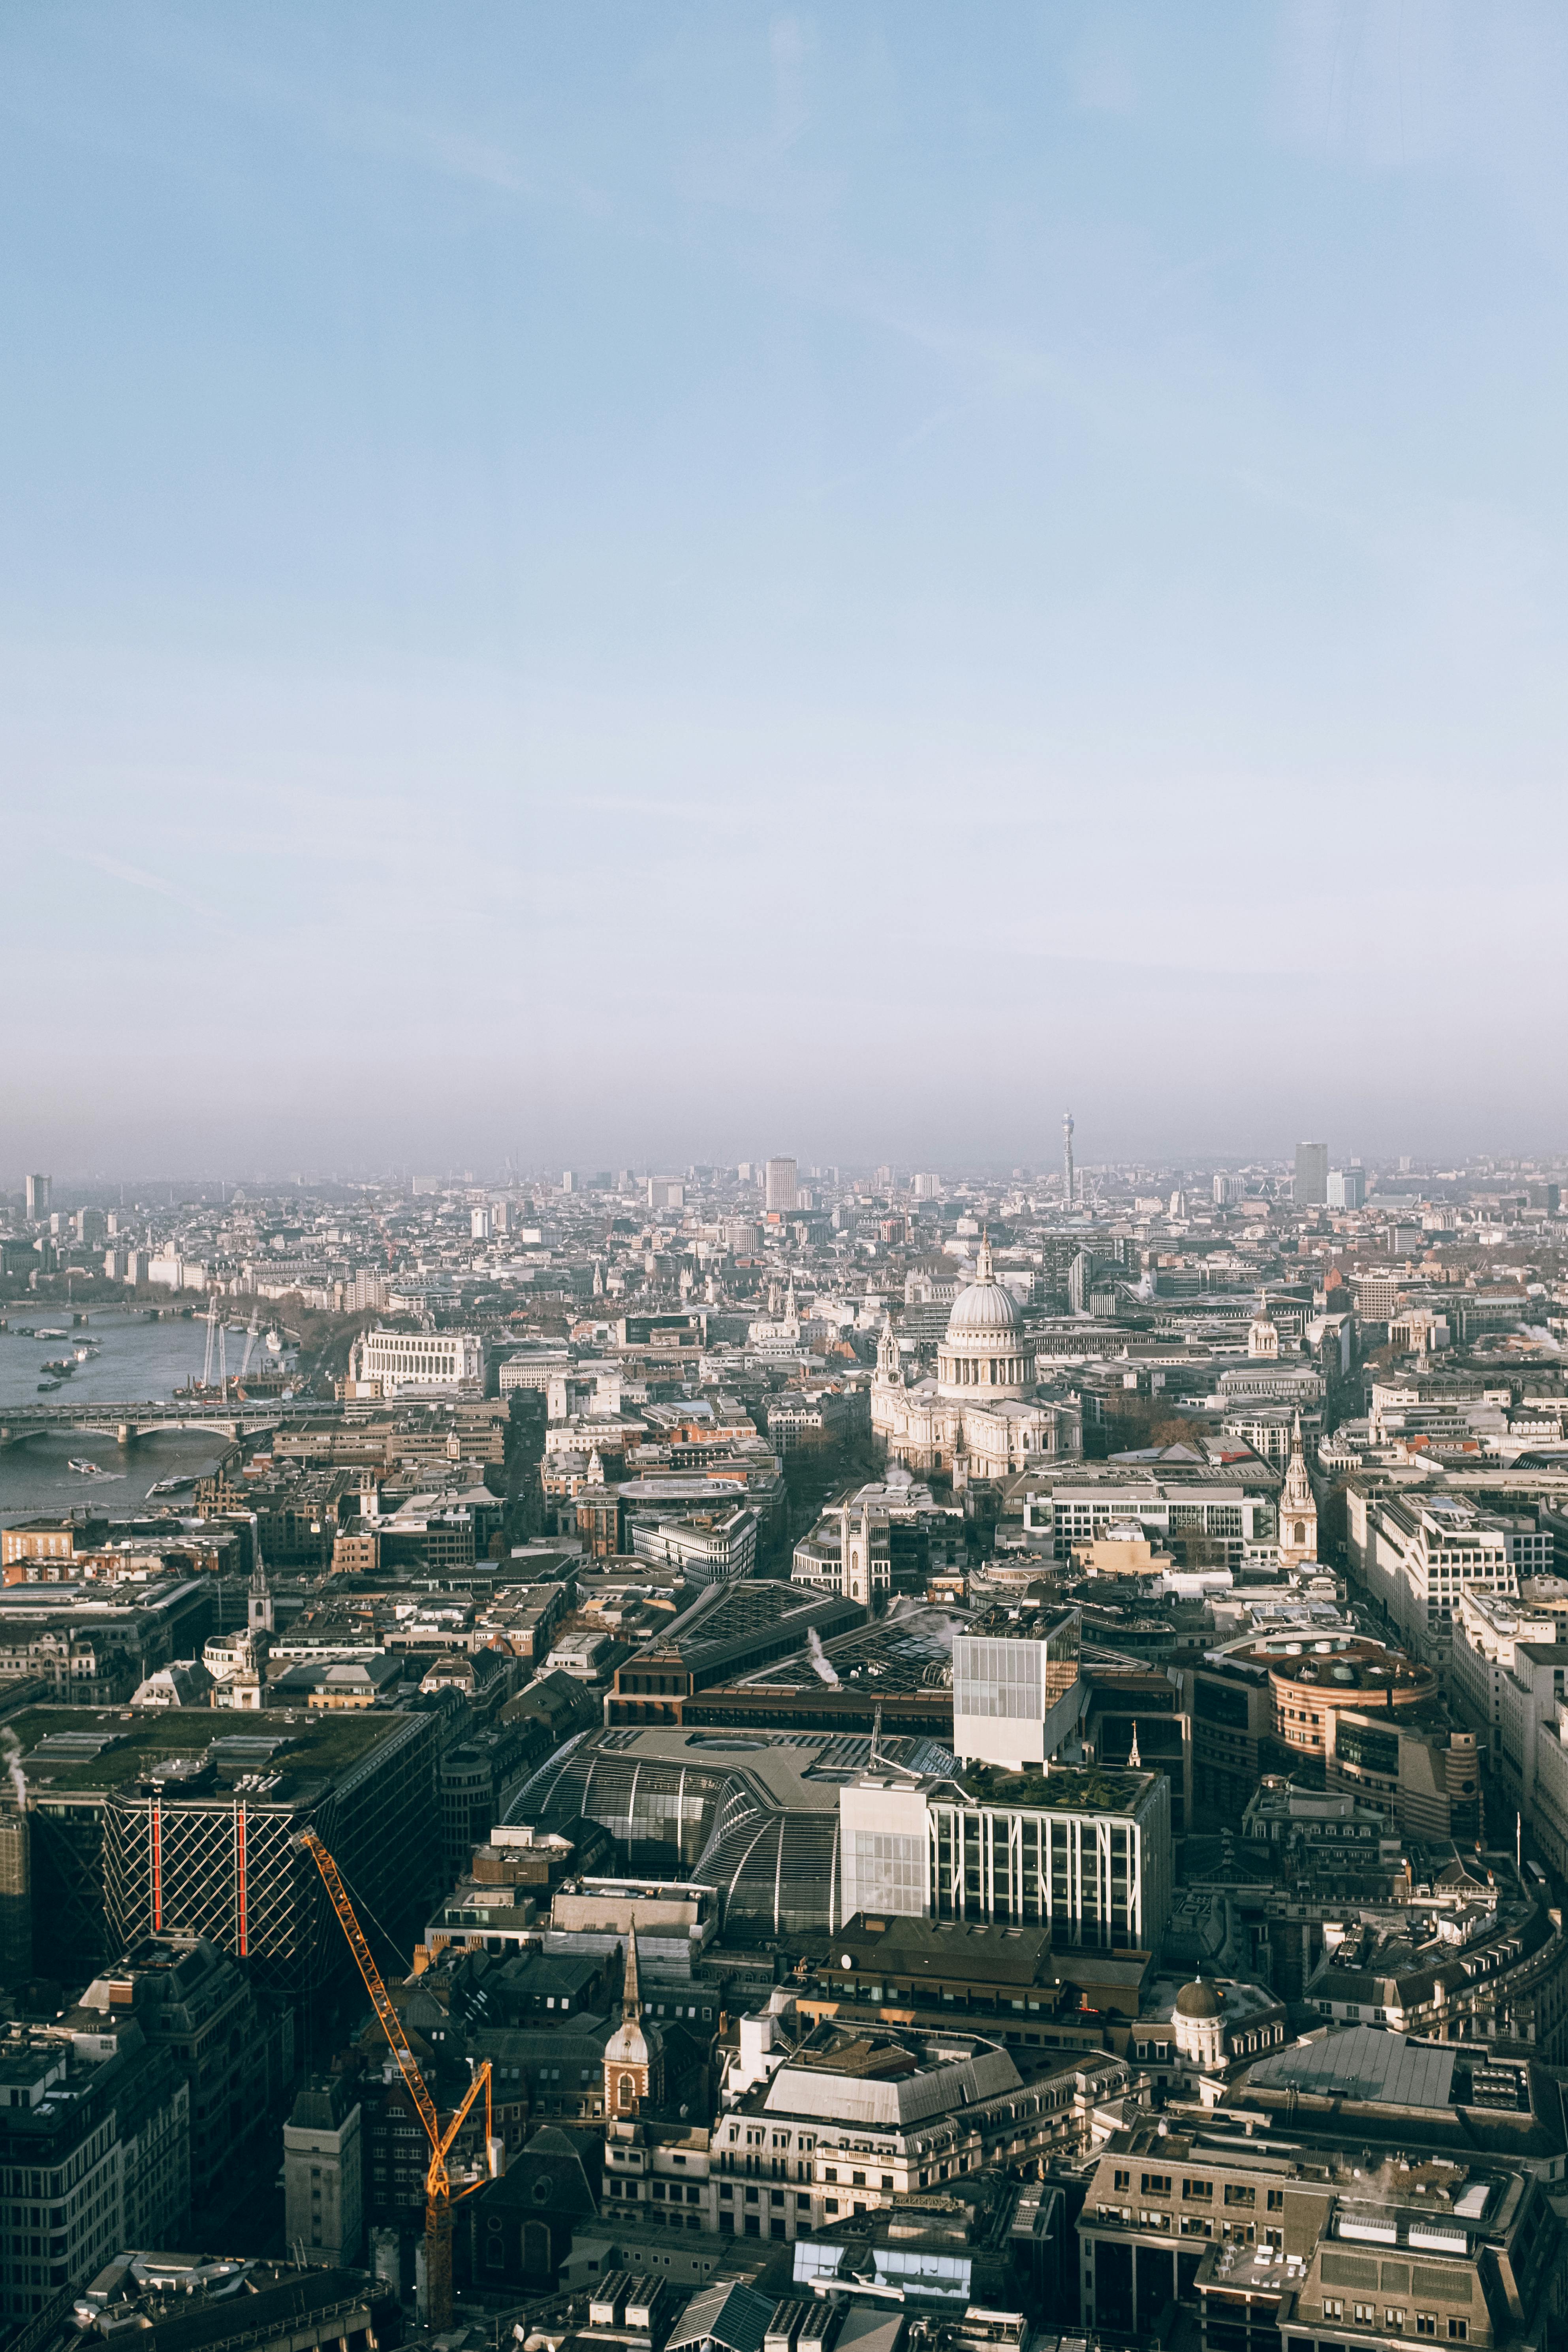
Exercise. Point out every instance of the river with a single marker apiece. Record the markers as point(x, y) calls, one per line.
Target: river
point(138, 1360)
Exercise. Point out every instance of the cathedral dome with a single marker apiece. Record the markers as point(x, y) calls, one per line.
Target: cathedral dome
point(986, 1308)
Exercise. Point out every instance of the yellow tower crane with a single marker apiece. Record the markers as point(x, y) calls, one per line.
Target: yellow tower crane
point(440, 2195)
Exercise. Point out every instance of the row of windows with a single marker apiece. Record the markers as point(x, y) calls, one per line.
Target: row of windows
point(1158, 2184)
point(1364, 2315)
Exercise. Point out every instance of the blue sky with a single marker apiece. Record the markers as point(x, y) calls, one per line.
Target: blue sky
point(674, 581)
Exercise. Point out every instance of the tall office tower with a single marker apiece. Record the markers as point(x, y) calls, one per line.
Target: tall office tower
point(1226, 1190)
point(1311, 1188)
point(37, 1198)
point(1067, 1193)
point(1347, 1187)
point(781, 1185)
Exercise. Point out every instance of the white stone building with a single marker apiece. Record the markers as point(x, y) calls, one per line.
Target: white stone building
point(980, 1417)
point(419, 1360)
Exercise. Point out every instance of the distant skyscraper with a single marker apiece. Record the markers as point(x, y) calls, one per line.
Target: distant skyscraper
point(1226, 1190)
point(1311, 1189)
point(1068, 1195)
point(1347, 1187)
point(37, 1198)
point(781, 1185)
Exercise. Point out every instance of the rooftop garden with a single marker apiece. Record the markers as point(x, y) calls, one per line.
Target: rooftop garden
point(1068, 1788)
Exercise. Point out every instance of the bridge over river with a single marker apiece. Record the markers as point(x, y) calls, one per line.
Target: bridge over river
point(127, 1424)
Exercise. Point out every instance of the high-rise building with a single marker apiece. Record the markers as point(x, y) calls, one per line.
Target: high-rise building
point(926, 1188)
point(1311, 1188)
point(781, 1185)
point(478, 1224)
point(1086, 1850)
point(323, 2173)
point(1067, 1158)
point(1347, 1187)
point(1545, 1196)
point(38, 1198)
point(1226, 1190)
point(1015, 1683)
point(99, 2127)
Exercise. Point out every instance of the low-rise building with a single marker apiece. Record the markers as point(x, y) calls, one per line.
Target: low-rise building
point(841, 2120)
point(1323, 2225)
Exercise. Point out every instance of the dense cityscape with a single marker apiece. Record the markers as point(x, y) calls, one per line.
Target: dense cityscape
point(783, 1327)
point(788, 1759)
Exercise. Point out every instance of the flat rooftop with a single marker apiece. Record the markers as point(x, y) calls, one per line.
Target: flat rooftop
point(1066, 1788)
point(911, 1651)
point(89, 1751)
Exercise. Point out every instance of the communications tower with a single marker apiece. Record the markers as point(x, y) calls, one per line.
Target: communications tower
point(1067, 1158)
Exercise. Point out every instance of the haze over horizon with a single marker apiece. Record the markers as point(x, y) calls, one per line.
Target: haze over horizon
point(614, 585)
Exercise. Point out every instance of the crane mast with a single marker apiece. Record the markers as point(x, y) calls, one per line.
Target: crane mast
point(439, 2196)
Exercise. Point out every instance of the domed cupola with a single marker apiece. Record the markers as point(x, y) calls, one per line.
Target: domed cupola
point(1200, 2022)
point(987, 1352)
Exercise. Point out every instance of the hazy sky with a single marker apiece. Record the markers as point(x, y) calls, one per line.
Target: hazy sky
point(667, 581)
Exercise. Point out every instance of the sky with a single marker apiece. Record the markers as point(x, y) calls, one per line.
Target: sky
point(623, 585)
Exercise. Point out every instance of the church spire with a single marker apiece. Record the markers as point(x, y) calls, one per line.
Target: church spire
point(631, 1994)
point(1135, 1762)
point(983, 1269)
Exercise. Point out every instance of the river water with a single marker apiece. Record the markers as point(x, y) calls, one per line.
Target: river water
point(138, 1360)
